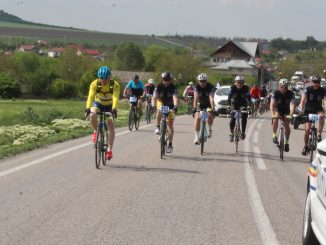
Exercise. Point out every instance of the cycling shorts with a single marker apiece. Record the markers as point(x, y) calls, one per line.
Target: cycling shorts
point(98, 106)
point(315, 111)
point(283, 112)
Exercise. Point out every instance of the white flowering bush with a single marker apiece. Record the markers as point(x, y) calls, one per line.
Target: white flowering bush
point(18, 134)
point(70, 124)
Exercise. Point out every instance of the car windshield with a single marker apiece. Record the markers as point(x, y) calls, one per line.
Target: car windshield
point(223, 91)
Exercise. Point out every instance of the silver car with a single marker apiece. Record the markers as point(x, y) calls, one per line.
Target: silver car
point(221, 99)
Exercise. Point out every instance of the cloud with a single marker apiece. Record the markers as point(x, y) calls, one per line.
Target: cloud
point(248, 3)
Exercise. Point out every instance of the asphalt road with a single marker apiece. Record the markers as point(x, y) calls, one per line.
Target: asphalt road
point(55, 195)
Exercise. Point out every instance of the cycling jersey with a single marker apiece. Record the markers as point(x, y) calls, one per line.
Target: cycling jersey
point(315, 98)
point(255, 93)
point(239, 97)
point(137, 89)
point(263, 93)
point(204, 93)
point(283, 101)
point(165, 94)
point(149, 88)
point(189, 91)
point(105, 95)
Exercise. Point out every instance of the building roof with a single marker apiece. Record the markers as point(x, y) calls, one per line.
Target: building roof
point(57, 50)
point(27, 47)
point(90, 52)
point(248, 47)
point(233, 64)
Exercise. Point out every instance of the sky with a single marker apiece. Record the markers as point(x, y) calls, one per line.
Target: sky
point(268, 19)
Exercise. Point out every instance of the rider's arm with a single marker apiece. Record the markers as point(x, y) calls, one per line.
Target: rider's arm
point(115, 95)
point(211, 99)
point(273, 106)
point(91, 94)
point(154, 98)
point(303, 101)
point(292, 107)
point(175, 98)
point(127, 89)
point(196, 99)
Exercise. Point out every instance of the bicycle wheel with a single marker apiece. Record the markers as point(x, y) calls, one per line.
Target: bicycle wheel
point(189, 108)
point(136, 118)
point(98, 148)
point(104, 145)
point(281, 143)
point(163, 139)
point(148, 113)
point(312, 144)
point(131, 119)
point(202, 137)
point(237, 137)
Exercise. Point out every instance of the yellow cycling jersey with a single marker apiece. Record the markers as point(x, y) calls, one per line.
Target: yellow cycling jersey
point(103, 94)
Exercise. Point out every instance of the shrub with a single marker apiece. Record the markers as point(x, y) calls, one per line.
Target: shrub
point(63, 89)
point(9, 88)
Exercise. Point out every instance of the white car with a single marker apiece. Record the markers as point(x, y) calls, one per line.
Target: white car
point(221, 99)
point(314, 222)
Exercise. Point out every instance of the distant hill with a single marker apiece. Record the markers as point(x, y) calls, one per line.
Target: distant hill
point(14, 19)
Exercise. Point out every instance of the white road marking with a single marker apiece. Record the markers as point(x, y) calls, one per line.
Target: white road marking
point(258, 159)
point(263, 223)
point(40, 160)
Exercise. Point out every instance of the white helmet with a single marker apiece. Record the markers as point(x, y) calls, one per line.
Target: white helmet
point(151, 81)
point(202, 77)
point(239, 78)
point(283, 82)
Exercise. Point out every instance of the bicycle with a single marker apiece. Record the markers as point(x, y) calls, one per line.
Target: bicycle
point(164, 110)
point(312, 140)
point(101, 142)
point(281, 135)
point(203, 115)
point(134, 118)
point(237, 114)
point(262, 105)
point(148, 110)
point(189, 104)
point(254, 107)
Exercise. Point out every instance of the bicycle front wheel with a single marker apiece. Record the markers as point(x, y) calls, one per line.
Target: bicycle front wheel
point(98, 148)
point(237, 137)
point(313, 145)
point(163, 139)
point(202, 137)
point(148, 114)
point(281, 143)
point(131, 119)
point(137, 118)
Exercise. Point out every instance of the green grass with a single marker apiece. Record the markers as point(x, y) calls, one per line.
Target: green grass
point(42, 113)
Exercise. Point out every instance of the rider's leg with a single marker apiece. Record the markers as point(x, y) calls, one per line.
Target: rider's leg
point(244, 122)
point(210, 120)
point(306, 133)
point(93, 117)
point(111, 133)
point(287, 131)
point(321, 123)
point(197, 127)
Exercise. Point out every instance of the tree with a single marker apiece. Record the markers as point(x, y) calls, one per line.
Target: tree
point(129, 57)
point(9, 88)
point(153, 55)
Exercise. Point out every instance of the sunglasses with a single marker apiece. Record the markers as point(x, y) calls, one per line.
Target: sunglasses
point(167, 80)
point(284, 87)
point(202, 81)
point(314, 82)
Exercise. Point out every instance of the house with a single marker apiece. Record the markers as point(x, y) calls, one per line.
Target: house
point(235, 58)
point(28, 48)
point(55, 52)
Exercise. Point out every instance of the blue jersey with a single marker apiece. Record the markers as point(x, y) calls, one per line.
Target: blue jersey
point(137, 89)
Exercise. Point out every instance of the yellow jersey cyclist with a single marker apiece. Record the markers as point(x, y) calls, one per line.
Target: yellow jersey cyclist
point(204, 96)
point(166, 94)
point(103, 96)
point(282, 105)
point(135, 87)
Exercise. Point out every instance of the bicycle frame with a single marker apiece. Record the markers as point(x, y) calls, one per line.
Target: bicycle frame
point(133, 119)
point(281, 136)
point(164, 110)
point(237, 114)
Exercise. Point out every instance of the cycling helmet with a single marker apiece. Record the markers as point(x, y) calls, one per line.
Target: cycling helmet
point(202, 77)
point(135, 77)
point(151, 81)
point(104, 72)
point(190, 83)
point(283, 82)
point(167, 76)
point(315, 79)
point(239, 78)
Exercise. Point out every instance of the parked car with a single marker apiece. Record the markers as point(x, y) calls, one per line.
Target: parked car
point(221, 99)
point(314, 222)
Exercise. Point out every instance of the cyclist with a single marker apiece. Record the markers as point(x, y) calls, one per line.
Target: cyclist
point(282, 105)
point(103, 96)
point(239, 97)
point(149, 90)
point(255, 96)
point(312, 103)
point(264, 95)
point(189, 91)
point(204, 98)
point(166, 94)
point(135, 87)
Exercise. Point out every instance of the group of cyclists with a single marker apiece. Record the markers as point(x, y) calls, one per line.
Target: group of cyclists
point(104, 95)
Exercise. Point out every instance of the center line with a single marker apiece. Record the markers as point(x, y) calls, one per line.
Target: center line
point(263, 223)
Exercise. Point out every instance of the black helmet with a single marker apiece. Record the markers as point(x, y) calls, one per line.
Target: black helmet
point(135, 77)
point(167, 76)
point(315, 79)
